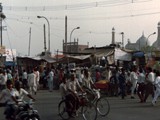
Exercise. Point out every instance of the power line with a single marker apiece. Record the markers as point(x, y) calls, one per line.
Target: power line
point(88, 18)
point(14, 31)
point(73, 6)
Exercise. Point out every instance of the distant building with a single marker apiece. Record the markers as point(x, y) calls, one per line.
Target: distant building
point(140, 44)
point(73, 47)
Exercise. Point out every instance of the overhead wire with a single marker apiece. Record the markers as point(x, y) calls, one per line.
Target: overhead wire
point(73, 6)
point(91, 18)
point(8, 26)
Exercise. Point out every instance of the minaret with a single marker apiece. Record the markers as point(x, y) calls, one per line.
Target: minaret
point(158, 36)
point(113, 35)
point(66, 45)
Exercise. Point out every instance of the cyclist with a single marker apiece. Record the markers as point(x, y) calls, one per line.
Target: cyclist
point(89, 86)
point(87, 80)
point(72, 95)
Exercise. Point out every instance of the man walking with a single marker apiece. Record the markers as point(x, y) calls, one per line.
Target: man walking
point(134, 79)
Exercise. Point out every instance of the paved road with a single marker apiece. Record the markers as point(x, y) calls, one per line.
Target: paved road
point(127, 109)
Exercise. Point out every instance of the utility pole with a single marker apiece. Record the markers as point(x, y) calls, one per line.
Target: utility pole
point(29, 41)
point(57, 55)
point(45, 48)
point(2, 16)
point(1, 8)
point(66, 45)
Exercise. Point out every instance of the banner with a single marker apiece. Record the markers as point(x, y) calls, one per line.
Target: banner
point(2, 50)
point(10, 54)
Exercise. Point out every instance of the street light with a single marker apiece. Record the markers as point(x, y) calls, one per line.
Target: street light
point(148, 38)
point(71, 35)
point(48, 31)
point(147, 42)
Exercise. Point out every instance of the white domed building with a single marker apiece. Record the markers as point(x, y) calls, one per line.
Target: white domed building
point(139, 45)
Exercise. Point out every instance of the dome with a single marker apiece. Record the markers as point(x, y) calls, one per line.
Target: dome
point(142, 41)
point(139, 45)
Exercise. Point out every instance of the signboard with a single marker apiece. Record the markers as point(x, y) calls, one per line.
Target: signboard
point(10, 54)
point(2, 49)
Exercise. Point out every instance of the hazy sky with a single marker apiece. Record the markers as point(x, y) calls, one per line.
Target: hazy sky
point(96, 18)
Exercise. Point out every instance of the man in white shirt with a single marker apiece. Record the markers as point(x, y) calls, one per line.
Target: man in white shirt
point(3, 80)
point(50, 80)
point(63, 87)
point(32, 82)
point(73, 98)
point(150, 77)
point(36, 72)
point(141, 86)
point(157, 85)
point(134, 79)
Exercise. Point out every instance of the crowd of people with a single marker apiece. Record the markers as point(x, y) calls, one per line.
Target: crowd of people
point(121, 82)
point(138, 80)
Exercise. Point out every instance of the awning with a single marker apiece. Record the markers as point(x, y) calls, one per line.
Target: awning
point(138, 54)
point(9, 63)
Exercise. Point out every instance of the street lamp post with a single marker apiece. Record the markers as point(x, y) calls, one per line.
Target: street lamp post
point(147, 43)
point(48, 31)
point(71, 35)
point(148, 38)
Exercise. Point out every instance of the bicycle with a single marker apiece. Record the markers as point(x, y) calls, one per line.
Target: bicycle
point(101, 102)
point(87, 109)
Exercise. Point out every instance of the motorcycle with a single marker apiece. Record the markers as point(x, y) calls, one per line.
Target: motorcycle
point(25, 111)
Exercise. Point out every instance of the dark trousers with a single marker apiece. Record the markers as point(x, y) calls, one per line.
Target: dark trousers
point(141, 91)
point(122, 88)
point(72, 103)
point(149, 89)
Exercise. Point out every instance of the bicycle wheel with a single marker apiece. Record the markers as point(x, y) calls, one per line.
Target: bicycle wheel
point(89, 112)
point(103, 106)
point(62, 110)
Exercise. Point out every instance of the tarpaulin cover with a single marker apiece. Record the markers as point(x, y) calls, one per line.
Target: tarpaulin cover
point(138, 54)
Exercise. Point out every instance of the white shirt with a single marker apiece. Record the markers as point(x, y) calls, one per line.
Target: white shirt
point(63, 89)
point(157, 82)
point(51, 75)
point(87, 82)
point(134, 77)
point(19, 94)
point(141, 78)
point(24, 75)
point(32, 79)
point(37, 76)
point(3, 79)
point(7, 96)
point(72, 85)
point(81, 78)
point(151, 77)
